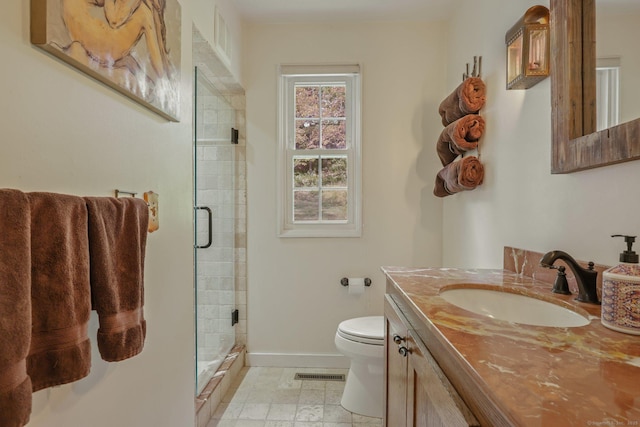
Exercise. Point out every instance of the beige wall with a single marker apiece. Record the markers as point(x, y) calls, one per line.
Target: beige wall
point(521, 204)
point(64, 132)
point(294, 293)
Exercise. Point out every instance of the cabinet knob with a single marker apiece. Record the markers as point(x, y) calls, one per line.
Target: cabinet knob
point(397, 339)
point(404, 351)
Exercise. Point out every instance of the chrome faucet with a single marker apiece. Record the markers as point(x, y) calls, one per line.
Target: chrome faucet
point(585, 277)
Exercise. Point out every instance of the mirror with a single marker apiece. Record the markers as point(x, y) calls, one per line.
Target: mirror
point(617, 62)
point(575, 143)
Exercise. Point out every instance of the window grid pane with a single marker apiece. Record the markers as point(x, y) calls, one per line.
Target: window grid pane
point(305, 205)
point(307, 101)
point(320, 188)
point(320, 116)
point(333, 101)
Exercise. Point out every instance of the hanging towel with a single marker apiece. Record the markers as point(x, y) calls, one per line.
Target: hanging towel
point(464, 174)
point(468, 98)
point(15, 308)
point(60, 351)
point(117, 241)
point(459, 137)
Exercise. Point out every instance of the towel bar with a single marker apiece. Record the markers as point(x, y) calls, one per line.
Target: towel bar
point(151, 199)
point(130, 193)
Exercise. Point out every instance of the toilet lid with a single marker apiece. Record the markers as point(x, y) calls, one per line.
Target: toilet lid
point(369, 330)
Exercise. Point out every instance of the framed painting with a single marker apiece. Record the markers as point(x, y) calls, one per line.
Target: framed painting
point(132, 46)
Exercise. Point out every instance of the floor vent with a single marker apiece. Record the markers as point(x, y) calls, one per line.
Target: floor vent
point(320, 377)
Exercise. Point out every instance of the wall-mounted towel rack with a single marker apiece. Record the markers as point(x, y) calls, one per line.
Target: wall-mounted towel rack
point(477, 68)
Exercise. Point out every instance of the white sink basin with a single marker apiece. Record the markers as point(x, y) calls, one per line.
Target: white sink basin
point(513, 307)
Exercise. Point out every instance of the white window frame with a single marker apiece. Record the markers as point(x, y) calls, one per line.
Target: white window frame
point(289, 76)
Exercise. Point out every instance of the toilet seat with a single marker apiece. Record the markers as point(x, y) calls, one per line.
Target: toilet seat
point(365, 330)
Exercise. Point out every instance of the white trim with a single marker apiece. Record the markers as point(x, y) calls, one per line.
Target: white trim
point(297, 360)
point(319, 69)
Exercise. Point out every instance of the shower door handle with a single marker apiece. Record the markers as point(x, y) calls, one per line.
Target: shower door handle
point(210, 226)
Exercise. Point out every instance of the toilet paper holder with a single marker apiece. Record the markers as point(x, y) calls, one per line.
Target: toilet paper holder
point(345, 281)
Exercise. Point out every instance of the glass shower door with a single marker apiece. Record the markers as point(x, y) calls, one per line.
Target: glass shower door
point(214, 222)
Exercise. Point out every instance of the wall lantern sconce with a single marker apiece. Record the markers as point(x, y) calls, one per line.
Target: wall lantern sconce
point(528, 49)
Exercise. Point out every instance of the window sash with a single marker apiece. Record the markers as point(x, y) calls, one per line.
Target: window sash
point(290, 113)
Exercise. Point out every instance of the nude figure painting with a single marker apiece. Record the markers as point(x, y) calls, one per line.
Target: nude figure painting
point(131, 45)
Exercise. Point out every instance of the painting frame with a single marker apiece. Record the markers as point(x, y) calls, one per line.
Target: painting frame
point(132, 46)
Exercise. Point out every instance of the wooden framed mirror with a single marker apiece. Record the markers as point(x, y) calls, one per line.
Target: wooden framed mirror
point(575, 143)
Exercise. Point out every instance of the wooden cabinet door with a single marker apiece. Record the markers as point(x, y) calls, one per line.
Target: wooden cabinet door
point(395, 375)
point(431, 399)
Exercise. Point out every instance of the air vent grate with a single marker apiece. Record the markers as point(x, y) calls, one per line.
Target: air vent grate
point(319, 377)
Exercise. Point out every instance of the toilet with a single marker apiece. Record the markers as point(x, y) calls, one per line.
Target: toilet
point(362, 341)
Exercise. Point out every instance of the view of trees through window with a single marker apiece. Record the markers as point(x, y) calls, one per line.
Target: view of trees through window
point(320, 180)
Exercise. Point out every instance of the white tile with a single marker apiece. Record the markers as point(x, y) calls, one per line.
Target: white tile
point(282, 412)
point(236, 395)
point(278, 424)
point(362, 421)
point(333, 397)
point(250, 423)
point(286, 396)
point(260, 395)
point(336, 414)
point(228, 411)
point(311, 397)
point(313, 385)
point(254, 411)
point(309, 412)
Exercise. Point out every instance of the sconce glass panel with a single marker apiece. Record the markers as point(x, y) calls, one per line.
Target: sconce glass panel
point(538, 51)
point(514, 58)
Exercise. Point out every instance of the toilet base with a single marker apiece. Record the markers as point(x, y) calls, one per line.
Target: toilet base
point(363, 392)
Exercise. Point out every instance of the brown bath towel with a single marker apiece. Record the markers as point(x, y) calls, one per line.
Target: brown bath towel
point(459, 137)
point(60, 350)
point(15, 308)
point(464, 174)
point(468, 98)
point(117, 240)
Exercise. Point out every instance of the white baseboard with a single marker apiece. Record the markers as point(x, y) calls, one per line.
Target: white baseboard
point(294, 360)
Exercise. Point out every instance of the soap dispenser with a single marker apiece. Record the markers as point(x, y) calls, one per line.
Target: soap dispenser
point(621, 292)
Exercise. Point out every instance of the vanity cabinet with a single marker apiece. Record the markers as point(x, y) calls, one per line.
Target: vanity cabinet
point(417, 393)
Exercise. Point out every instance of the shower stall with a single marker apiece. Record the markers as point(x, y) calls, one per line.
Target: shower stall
point(214, 227)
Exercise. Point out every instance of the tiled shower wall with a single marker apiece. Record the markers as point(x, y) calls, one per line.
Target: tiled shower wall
point(222, 186)
point(226, 84)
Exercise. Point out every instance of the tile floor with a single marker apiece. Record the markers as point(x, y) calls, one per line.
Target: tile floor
point(270, 397)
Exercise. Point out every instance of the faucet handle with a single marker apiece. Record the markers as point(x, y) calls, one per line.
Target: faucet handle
point(561, 286)
point(591, 265)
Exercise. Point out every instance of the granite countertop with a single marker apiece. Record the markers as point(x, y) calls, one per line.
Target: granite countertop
point(537, 376)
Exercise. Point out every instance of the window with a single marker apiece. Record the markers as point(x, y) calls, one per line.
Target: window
point(319, 152)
